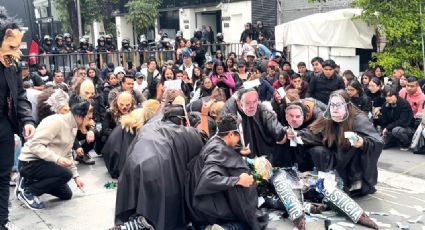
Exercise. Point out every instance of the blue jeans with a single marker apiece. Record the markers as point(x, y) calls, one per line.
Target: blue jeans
point(18, 146)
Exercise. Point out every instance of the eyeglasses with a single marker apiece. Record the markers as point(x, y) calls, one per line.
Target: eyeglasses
point(337, 105)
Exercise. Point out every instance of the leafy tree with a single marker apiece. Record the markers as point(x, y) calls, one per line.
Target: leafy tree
point(397, 22)
point(142, 13)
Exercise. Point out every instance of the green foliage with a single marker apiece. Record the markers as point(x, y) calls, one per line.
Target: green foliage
point(142, 13)
point(398, 22)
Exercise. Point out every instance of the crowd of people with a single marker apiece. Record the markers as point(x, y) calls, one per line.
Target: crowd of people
point(176, 136)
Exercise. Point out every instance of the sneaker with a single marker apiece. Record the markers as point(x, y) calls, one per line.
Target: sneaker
point(214, 227)
point(10, 226)
point(19, 185)
point(85, 160)
point(31, 201)
point(139, 223)
point(404, 149)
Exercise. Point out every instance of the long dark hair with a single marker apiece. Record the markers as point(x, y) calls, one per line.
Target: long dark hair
point(332, 135)
point(356, 85)
point(217, 64)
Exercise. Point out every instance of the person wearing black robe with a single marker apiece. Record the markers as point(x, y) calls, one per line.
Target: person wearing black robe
point(151, 184)
point(261, 129)
point(220, 189)
point(355, 163)
point(115, 147)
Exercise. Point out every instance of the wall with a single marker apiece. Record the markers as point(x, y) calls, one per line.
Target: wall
point(124, 30)
point(293, 9)
point(187, 22)
point(265, 11)
point(235, 15)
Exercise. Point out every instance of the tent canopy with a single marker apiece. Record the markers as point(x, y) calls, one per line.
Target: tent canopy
point(332, 29)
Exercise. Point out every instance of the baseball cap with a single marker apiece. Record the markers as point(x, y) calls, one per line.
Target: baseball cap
point(119, 69)
point(23, 65)
point(278, 54)
point(254, 43)
point(139, 75)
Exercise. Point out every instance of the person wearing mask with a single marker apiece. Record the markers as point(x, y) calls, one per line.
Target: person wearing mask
point(322, 86)
point(317, 69)
point(396, 121)
point(46, 163)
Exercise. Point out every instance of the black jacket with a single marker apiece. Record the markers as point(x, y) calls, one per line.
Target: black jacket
point(376, 99)
point(362, 102)
point(398, 115)
point(19, 113)
point(321, 87)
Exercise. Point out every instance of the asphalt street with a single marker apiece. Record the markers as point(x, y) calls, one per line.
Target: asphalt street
point(400, 197)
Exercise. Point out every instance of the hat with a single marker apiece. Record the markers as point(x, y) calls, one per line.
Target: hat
point(139, 75)
point(110, 65)
point(186, 55)
point(254, 43)
point(119, 69)
point(250, 53)
point(278, 54)
point(23, 65)
point(170, 62)
point(208, 60)
point(271, 63)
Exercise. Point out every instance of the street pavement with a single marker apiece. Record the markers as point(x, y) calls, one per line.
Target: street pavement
point(401, 195)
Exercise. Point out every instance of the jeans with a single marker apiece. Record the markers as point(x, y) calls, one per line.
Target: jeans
point(18, 146)
point(46, 177)
point(7, 144)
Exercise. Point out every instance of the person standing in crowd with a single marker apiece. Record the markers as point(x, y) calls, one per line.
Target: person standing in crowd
point(413, 94)
point(46, 163)
point(248, 32)
point(322, 86)
point(199, 51)
point(396, 120)
point(15, 110)
point(358, 96)
point(216, 176)
point(317, 69)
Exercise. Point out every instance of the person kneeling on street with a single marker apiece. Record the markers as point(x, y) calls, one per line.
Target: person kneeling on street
point(46, 163)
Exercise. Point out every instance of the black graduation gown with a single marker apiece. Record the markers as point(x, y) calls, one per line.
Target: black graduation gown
point(212, 195)
point(354, 164)
point(152, 180)
point(115, 150)
point(260, 131)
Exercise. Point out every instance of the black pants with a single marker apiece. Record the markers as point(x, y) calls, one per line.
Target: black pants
point(399, 135)
point(46, 177)
point(7, 144)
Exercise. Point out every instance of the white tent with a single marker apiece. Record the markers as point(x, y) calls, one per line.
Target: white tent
point(334, 34)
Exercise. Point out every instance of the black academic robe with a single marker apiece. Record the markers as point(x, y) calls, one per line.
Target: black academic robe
point(212, 195)
point(115, 150)
point(153, 178)
point(260, 131)
point(354, 163)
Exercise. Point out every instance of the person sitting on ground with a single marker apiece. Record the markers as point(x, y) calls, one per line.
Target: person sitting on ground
point(152, 183)
point(355, 161)
point(414, 95)
point(376, 98)
point(122, 105)
point(397, 120)
point(115, 149)
point(261, 129)
point(221, 190)
point(46, 163)
point(358, 97)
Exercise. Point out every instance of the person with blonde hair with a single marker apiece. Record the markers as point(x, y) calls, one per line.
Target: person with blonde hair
point(115, 149)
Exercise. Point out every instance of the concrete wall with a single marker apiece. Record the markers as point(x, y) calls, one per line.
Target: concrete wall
point(234, 16)
point(124, 30)
point(293, 9)
point(187, 22)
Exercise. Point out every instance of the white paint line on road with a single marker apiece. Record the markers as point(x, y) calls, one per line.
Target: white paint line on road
point(407, 184)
